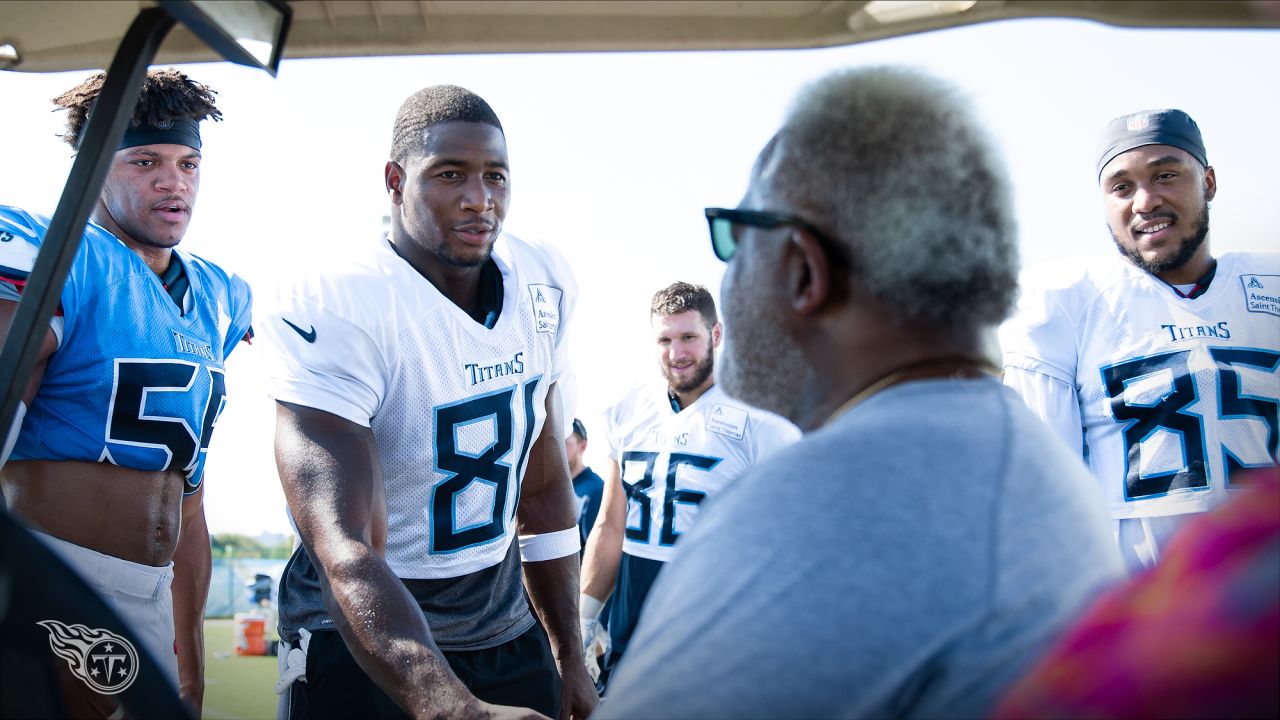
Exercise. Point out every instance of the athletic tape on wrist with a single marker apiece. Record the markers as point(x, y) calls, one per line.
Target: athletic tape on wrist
point(550, 546)
point(589, 606)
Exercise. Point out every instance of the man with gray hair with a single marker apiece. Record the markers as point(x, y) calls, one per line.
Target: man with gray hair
point(918, 547)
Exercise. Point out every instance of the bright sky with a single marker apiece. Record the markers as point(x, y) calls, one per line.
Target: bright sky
point(614, 157)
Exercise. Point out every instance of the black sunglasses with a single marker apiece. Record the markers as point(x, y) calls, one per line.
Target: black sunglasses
point(722, 220)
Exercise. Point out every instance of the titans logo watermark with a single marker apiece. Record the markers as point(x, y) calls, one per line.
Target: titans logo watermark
point(106, 662)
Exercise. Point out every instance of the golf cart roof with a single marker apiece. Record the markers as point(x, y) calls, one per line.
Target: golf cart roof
point(42, 36)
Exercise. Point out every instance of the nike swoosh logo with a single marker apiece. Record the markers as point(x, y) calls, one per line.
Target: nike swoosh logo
point(308, 335)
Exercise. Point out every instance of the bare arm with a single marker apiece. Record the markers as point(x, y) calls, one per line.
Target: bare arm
point(50, 343)
point(333, 484)
point(9, 435)
point(547, 505)
point(192, 565)
point(604, 545)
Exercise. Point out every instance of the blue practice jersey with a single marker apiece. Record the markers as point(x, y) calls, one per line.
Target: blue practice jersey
point(589, 489)
point(135, 381)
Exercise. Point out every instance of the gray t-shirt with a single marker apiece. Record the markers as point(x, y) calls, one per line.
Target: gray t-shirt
point(907, 561)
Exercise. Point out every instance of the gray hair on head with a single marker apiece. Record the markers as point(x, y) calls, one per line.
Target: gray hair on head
point(895, 164)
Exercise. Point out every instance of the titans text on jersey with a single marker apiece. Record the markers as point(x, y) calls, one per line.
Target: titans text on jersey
point(136, 381)
point(454, 406)
point(1175, 394)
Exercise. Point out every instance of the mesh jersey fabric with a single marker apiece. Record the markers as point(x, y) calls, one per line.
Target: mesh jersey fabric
point(1175, 394)
point(672, 462)
point(135, 381)
point(454, 406)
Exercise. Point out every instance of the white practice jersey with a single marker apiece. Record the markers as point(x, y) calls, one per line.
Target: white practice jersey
point(455, 407)
point(1174, 393)
point(671, 462)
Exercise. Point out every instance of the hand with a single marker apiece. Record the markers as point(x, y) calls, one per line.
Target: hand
point(508, 712)
point(476, 709)
point(595, 639)
point(578, 698)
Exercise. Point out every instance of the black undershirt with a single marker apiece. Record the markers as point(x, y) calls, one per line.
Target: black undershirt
point(1200, 286)
point(491, 292)
point(176, 283)
point(175, 280)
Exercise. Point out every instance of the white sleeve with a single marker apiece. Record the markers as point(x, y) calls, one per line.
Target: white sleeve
point(568, 306)
point(772, 433)
point(1053, 400)
point(340, 370)
point(20, 241)
point(1041, 336)
point(611, 440)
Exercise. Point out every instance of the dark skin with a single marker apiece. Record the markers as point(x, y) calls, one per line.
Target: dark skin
point(548, 504)
point(139, 516)
point(1152, 195)
point(448, 205)
point(840, 327)
point(333, 484)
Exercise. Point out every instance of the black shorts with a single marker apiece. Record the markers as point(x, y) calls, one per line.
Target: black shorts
point(521, 672)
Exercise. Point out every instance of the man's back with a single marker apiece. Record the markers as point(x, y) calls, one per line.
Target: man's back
point(906, 560)
point(674, 463)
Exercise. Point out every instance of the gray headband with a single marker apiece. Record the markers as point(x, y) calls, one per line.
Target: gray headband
point(181, 131)
point(1150, 127)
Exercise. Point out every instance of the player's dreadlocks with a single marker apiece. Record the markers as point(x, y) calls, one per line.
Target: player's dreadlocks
point(681, 297)
point(432, 106)
point(167, 94)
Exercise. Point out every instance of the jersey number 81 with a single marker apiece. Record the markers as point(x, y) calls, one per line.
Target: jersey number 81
point(463, 468)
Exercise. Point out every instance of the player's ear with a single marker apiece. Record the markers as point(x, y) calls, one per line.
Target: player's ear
point(716, 332)
point(393, 174)
point(1210, 184)
point(807, 272)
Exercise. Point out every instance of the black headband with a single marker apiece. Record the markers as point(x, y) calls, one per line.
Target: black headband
point(1150, 127)
point(182, 131)
point(579, 428)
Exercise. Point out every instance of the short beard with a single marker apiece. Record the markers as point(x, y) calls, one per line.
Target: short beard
point(760, 365)
point(700, 374)
point(453, 260)
point(1186, 250)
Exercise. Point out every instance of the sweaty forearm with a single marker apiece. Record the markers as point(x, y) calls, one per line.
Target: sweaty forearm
point(387, 635)
point(552, 586)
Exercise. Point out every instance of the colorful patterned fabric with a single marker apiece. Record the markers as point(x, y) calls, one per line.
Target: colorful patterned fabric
point(1196, 637)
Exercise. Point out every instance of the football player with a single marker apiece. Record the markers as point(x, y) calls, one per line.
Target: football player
point(419, 432)
point(672, 444)
point(588, 486)
point(1157, 365)
point(107, 464)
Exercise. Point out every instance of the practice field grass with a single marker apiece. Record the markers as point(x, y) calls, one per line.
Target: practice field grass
point(235, 687)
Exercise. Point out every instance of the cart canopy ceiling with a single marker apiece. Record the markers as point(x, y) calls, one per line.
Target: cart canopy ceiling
point(43, 36)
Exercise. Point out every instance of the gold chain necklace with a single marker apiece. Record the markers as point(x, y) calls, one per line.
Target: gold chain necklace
point(959, 365)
